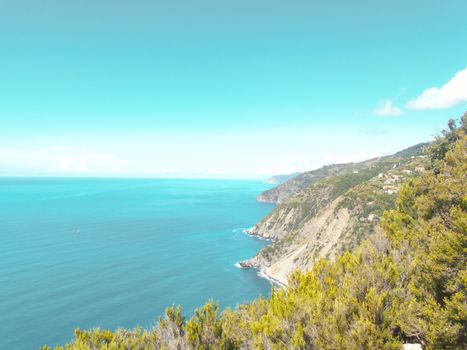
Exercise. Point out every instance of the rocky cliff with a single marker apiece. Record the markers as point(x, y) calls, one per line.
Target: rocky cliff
point(322, 212)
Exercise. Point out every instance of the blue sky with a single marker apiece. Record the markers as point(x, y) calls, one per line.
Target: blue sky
point(236, 89)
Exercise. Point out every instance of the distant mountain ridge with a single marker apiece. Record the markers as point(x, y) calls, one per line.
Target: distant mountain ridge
point(325, 211)
point(280, 179)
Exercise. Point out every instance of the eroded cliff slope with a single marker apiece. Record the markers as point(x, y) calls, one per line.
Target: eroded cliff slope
point(323, 212)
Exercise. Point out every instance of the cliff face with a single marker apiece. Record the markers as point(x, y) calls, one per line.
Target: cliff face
point(326, 211)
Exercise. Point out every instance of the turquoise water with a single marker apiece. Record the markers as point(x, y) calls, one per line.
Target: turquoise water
point(114, 253)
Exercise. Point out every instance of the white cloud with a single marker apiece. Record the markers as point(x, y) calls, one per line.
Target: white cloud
point(387, 109)
point(448, 95)
point(61, 160)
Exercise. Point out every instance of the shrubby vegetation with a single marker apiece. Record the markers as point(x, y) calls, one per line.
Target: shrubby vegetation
point(406, 284)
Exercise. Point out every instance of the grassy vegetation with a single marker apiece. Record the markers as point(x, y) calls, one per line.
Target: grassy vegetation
point(407, 284)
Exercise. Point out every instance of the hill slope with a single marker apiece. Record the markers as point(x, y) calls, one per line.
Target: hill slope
point(323, 212)
point(280, 179)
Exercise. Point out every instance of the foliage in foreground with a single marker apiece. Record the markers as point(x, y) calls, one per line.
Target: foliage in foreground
point(406, 285)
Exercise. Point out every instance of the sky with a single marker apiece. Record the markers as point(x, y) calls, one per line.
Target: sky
point(223, 89)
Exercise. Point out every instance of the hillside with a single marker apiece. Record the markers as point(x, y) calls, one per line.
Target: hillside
point(280, 179)
point(302, 181)
point(323, 212)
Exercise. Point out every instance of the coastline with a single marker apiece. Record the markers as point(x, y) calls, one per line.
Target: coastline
point(263, 274)
point(251, 233)
point(261, 271)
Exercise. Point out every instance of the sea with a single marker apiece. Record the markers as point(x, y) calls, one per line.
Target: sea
point(115, 253)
